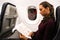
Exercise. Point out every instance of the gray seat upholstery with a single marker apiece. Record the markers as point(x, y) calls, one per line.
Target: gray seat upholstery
point(8, 20)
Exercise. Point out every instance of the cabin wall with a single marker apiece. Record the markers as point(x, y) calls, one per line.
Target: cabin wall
point(22, 10)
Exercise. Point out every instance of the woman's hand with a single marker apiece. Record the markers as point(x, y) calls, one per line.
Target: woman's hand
point(31, 34)
point(25, 38)
point(22, 37)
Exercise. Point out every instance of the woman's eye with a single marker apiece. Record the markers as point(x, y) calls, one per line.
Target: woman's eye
point(40, 9)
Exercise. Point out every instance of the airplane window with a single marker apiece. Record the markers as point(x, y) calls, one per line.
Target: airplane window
point(32, 12)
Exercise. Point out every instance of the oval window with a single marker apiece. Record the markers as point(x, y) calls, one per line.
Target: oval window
point(32, 12)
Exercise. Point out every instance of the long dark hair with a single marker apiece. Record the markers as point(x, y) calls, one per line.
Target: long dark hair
point(45, 5)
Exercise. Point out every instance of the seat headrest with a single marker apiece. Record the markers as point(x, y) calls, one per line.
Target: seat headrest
point(58, 13)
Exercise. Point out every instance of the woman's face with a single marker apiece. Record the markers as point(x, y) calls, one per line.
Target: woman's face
point(44, 11)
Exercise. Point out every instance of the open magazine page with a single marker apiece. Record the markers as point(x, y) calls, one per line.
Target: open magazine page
point(23, 29)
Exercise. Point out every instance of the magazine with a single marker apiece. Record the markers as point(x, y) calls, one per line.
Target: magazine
point(23, 29)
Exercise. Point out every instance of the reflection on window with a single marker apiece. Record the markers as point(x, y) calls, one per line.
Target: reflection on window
point(32, 12)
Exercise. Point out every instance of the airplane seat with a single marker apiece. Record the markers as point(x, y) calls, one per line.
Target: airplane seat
point(57, 37)
point(8, 20)
point(0, 21)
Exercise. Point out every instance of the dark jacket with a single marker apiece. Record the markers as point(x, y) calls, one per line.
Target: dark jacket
point(46, 30)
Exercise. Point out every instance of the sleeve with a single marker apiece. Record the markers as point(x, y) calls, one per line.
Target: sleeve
point(49, 31)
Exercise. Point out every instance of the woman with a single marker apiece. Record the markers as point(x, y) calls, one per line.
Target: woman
point(46, 29)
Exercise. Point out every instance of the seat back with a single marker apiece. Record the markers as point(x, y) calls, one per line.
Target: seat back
point(8, 19)
point(57, 37)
